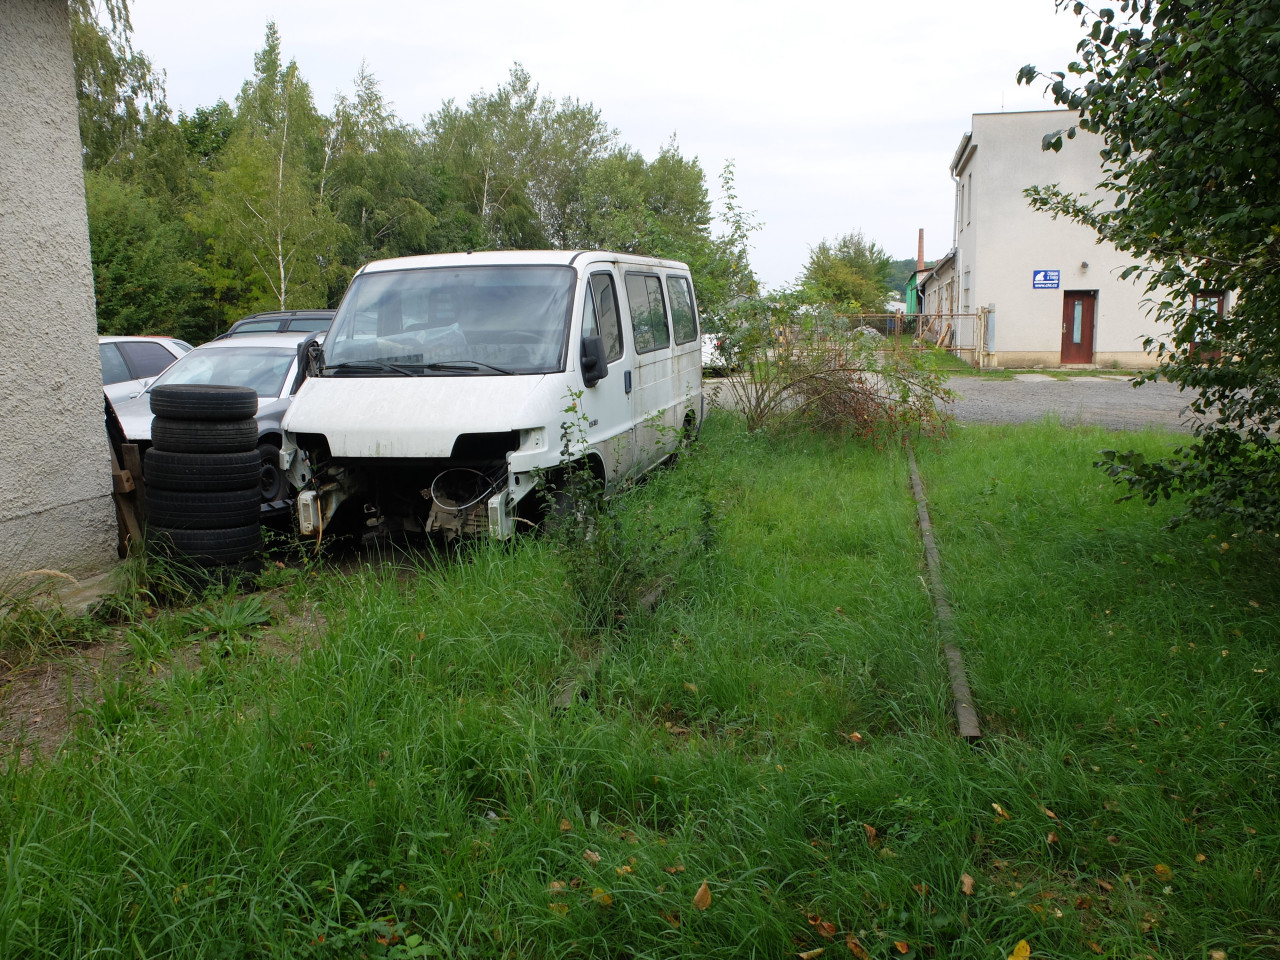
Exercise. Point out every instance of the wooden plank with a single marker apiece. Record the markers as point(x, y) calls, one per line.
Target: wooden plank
point(124, 495)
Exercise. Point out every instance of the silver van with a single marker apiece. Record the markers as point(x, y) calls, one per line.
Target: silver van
point(450, 387)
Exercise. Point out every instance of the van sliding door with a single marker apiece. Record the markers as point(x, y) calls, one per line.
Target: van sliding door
point(654, 393)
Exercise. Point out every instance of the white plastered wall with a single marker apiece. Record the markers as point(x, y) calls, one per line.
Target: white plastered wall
point(1002, 242)
point(55, 474)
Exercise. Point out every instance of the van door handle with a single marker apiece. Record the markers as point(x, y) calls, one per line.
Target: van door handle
point(626, 380)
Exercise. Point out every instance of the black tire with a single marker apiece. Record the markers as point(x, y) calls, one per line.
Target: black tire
point(203, 401)
point(164, 470)
point(275, 486)
point(187, 510)
point(203, 436)
point(210, 547)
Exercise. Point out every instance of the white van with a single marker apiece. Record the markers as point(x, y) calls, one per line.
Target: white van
point(451, 386)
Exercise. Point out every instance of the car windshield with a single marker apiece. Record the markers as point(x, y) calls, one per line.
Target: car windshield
point(481, 320)
point(263, 368)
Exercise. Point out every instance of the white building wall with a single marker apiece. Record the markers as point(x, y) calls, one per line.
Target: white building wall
point(1001, 242)
point(55, 469)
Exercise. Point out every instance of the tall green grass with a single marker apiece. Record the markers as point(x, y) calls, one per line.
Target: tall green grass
point(406, 783)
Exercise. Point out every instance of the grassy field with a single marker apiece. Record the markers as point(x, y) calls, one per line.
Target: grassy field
point(384, 762)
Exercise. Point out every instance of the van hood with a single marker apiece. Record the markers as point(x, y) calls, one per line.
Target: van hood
point(412, 416)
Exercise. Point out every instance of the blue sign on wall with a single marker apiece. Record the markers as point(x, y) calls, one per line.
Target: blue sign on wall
point(1044, 279)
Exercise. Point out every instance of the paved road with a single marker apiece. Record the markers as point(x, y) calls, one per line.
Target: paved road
point(1109, 401)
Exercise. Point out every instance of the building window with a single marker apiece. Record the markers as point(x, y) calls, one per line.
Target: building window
point(964, 304)
point(968, 215)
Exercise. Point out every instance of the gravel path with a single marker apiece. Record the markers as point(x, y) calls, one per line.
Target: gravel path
point(1108, 401)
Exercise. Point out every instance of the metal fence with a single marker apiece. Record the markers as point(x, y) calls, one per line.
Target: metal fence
point(964, 335)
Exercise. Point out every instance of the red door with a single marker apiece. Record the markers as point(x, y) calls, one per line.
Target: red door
point(1077, 326)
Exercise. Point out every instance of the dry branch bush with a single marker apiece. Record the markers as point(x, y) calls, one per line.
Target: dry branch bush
point(791, 362)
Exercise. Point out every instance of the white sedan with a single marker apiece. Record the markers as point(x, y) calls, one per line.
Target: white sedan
point(129, 364)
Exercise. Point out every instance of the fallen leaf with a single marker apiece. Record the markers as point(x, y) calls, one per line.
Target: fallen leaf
point(856, 737)
point(565, 826)
point(673, 919)
point(590, 856)
point(1049, 813)
point(678, 868)
point(902, 946)
point(1163, 871)
point(920, 888)
point(602, 898)
point(1095, 947)
point(871, 834)
point(810, 954)
point(1104, 885)
point(855, 947)
point(623, 870)
point(1052, 837)
point(1217, 955)
point(1201, 858)
point(558, 908)
point(1021, 951)
point(999, 811)
point(1112, 838)
point(966, 884)
point(691, 687)
point(702, 899)
point(825, 927)
point(556, 887)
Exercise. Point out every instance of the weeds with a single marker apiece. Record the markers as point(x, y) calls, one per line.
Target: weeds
point(33, 623)
point(616, 558)
point(406, 788)
point(800, 363)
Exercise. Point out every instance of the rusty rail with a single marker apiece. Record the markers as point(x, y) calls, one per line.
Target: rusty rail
point(961, 695)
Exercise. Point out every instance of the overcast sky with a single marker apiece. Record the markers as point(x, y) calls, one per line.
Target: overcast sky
point(840, 115)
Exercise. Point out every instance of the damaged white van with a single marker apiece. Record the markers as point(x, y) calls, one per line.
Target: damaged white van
point(450, 387)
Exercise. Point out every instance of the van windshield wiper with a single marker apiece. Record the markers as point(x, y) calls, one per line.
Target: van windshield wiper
point(470, 365)
point(353, 365)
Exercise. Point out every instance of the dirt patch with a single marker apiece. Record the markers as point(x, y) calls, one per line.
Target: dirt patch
point(42, 702)
point(39, 702)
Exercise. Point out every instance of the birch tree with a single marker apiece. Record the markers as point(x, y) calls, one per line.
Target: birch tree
point(265, 210)
point(521, 158)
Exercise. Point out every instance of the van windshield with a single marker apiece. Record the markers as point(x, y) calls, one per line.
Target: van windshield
point(481, 320)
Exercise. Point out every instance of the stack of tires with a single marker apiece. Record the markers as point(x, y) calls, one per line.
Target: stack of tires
point(203, 476)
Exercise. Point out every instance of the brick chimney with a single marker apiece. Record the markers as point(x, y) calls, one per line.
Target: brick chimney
point(920, 253)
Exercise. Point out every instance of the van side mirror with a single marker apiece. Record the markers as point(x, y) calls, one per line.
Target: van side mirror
point(310, 361)
point(595, 366)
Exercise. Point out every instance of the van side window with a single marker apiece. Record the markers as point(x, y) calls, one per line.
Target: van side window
point(682, 316)
point(648, 313)
point(600, 315)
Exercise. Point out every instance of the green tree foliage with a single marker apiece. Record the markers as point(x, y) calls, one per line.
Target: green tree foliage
point(271, 232)
point(116, 88)
point(206, 132)
point(386, 188)
point(142, 274)
point(521, 159)
point(270, 204)
point(1186, 97)
point(900, 273)
point(662, 209)
point(852, 275)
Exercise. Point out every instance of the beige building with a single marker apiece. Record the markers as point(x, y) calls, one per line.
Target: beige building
point(55, 469)
point(1054, 291)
